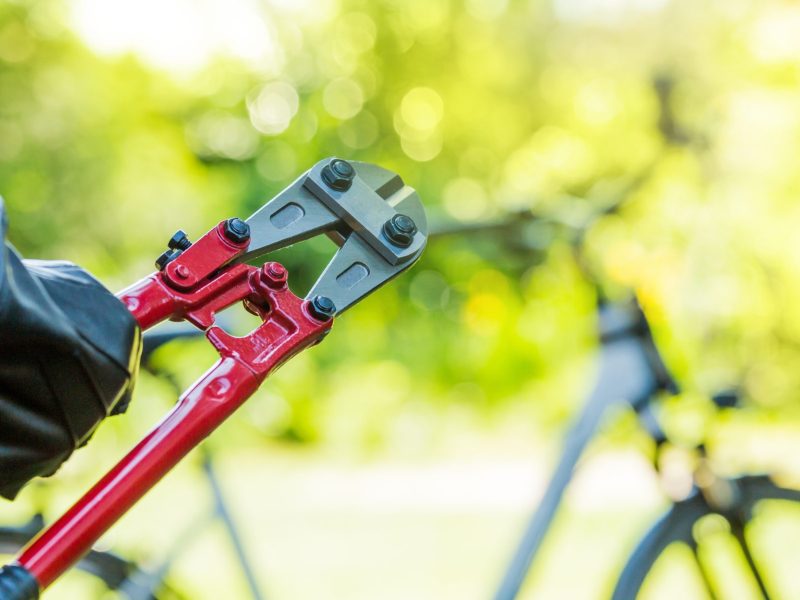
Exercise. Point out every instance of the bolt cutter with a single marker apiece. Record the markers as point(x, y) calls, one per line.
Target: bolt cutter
point(380, 227)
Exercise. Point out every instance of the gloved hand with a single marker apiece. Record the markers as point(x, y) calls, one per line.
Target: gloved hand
point(69, 354)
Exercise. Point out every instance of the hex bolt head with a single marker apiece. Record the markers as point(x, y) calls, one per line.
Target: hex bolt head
point(162, 260)
point(237, 230)
point(400, 230)
point(179, 241)
point(338, 174)
point(322, 308)
point(274, 275)
point(168, 256)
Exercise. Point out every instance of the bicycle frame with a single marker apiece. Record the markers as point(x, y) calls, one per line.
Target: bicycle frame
point(632, 372)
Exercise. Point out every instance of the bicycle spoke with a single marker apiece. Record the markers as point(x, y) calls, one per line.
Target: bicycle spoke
point(737, 530)
point(704, 574)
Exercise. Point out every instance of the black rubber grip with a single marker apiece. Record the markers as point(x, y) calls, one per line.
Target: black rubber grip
point(17, 584)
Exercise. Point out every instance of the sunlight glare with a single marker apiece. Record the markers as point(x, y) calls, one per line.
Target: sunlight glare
point(180, 36)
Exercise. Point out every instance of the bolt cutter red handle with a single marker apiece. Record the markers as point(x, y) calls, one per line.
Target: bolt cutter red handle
point(358, 205)
point(288, 327)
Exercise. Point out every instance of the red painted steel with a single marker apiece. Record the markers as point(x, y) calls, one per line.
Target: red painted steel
point(287, 328)
point(191, 287)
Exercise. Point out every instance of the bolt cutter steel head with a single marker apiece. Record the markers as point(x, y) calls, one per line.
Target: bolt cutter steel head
point(377, 221)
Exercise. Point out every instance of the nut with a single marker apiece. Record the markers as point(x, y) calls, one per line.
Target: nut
point(338, 174)
point(237, 231)
point(274, 275)
point(322, 308)
point(400, 230)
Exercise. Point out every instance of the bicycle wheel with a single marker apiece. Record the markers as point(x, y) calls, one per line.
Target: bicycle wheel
point(100, 574)
point(676, 526)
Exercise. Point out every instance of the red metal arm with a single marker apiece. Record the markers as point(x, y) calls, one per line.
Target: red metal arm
point(193, 287)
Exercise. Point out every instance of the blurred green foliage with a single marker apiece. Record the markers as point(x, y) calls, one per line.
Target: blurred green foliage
point(122, 121)
point(115, 131)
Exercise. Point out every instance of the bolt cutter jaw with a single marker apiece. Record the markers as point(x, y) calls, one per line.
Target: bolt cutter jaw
point(355, 217)
point(377, 221)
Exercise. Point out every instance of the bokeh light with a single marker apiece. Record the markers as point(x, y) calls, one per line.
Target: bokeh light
point(400, 458)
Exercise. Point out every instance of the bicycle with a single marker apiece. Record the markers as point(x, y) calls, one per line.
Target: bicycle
point(379, 224)
point(633, 373)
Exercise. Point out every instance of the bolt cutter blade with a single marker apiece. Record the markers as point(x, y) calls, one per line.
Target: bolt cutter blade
point(351, 203)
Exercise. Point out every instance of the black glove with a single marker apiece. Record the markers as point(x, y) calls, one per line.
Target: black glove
point(69, 353)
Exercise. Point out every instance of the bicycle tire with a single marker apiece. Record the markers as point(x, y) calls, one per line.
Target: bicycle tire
point(677, 523)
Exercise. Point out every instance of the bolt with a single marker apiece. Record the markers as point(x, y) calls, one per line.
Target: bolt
point(179, 241)
point(338, 174)
point(237, 230)
point(162, 260)
point(274, 275)
point(322, 308)
point(181, 272)
point(400, 230)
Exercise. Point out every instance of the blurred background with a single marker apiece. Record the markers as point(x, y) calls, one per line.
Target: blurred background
point(401, 458)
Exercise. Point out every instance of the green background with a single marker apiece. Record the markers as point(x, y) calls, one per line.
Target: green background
point(400, 458)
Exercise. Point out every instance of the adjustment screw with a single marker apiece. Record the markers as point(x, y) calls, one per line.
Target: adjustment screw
point(322, 308)
point(179, 241)
point(237, 230)
point(338, 174)
point(400, 230)
point(164, 259)
point(274, 275)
